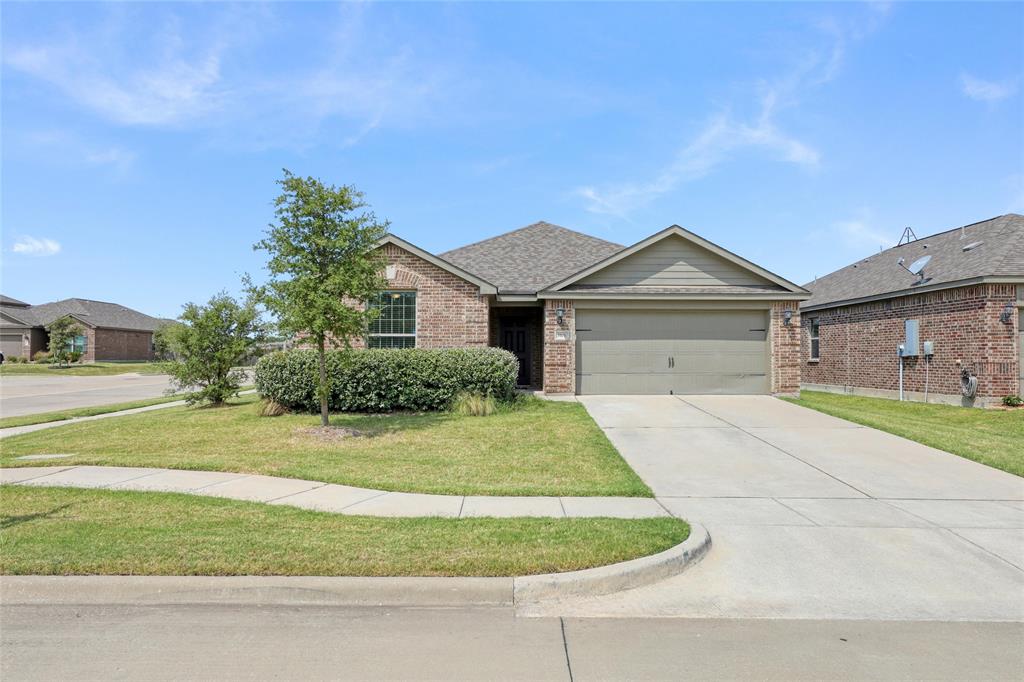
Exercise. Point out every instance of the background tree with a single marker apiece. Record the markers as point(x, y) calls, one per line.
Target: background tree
point(162, 339)
point(208, 346)
point(62, 336)
point(321, 261)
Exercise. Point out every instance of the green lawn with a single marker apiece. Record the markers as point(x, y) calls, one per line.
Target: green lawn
point(992, 437)
point(43, 417)
point(91, 369)
point(64, 531)
point(536, 448)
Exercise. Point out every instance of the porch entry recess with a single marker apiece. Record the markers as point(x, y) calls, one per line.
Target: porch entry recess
point(635, 352)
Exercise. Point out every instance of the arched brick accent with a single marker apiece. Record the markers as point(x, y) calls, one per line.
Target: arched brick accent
point(403, 279)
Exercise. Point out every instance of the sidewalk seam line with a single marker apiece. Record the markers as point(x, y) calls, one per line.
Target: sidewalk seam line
point(776, 447)
point(307, 490)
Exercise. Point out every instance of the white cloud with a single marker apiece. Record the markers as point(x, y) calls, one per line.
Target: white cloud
point(168, 74)
point(175, 89)
point(30, 246)
point(986, 91)
point(724, 135)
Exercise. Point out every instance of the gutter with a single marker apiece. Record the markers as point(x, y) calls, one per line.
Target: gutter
point(956, 284)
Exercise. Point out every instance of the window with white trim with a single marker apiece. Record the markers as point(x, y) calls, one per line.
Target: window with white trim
point(395, 325)
point(78, 344)
point(815, 339)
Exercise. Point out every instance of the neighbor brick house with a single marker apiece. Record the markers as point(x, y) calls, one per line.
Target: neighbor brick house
point(966, 302)
point(110, 331)
point(673, 313)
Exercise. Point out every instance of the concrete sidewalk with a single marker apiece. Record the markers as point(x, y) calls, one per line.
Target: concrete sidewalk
point(329, 497)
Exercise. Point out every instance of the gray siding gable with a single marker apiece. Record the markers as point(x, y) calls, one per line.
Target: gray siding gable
point(674, 261)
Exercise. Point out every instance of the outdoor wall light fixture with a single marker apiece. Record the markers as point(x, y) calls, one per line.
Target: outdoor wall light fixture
point(1006, 317)
point(560, 316)
point(787, 317)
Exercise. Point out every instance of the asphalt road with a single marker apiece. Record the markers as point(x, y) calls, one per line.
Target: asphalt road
point(29, 394)
point(314, 642)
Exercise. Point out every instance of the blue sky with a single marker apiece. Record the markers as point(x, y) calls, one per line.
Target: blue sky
point(141, 142)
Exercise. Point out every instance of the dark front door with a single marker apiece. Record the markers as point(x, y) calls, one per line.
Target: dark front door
point(515, 338)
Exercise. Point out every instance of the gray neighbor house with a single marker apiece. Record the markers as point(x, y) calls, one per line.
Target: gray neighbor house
point(111, 332)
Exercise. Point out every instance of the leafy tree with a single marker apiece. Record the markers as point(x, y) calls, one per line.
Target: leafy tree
point(162, 339)
point(62, 335)
point(322, 259)
point(209, 344)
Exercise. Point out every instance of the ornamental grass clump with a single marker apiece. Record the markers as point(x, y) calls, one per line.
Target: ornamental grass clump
point(474, 405)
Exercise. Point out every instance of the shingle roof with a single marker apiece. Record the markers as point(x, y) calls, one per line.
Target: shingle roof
point(93, 313)
point(997, 250)
point(527, 260)
point(8, 301)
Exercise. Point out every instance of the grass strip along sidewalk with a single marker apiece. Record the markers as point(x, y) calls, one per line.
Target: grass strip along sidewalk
point(63, 531)
point(535, 447)
point(992, 437)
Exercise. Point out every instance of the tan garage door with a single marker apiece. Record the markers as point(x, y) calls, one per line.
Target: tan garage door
point(634, 352)
point(10, 344)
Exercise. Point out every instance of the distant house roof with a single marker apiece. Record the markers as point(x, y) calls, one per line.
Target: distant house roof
point(990, 250)
point(12, 302)
point(92, 313)
point(531, 258)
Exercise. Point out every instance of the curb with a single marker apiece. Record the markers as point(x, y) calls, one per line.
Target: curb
point(255, 590)
point(352, 591)
point(593, 582)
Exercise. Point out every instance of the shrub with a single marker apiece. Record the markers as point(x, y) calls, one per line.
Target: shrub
point(1013, 401)
point(41, 356)
point(74, 356)
point(15, 360)
point(473, 404)
point(270, 408)
point(208, 345)
point(386, 380)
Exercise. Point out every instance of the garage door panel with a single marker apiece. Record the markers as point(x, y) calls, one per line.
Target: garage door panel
point(11, 345)
point(658, 352)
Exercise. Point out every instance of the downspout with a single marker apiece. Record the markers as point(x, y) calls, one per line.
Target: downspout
point(899, 354)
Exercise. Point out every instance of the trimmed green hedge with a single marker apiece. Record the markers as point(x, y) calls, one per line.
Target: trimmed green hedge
point(386, 380)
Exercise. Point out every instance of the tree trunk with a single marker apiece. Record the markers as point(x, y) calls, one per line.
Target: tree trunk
point(323, 388)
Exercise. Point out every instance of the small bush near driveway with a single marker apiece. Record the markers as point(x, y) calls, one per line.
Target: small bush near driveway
point(387, 380)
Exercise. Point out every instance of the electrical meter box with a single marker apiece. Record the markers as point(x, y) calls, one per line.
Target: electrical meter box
point(929, 348)
point(910, 343)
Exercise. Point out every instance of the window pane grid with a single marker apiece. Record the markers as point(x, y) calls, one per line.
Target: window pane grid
point(395, 326)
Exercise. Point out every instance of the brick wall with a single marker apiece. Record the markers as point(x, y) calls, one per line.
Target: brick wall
point(450, 312)
point(785, 348)
point(119, 344)
point(559, 354)
point(858, 344)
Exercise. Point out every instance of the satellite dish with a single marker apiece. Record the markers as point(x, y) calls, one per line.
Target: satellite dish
point(917, 267)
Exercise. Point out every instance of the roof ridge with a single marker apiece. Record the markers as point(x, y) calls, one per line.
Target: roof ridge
point(539, 223)
point(955, 229)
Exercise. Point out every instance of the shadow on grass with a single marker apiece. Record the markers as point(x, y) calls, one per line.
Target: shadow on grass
point(11, 521)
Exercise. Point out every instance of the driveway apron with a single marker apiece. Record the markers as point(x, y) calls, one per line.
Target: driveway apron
point(815, 517)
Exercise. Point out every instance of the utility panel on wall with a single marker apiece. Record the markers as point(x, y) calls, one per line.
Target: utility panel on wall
point(910, 339)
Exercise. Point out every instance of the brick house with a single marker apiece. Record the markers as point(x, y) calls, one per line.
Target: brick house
point(966, 303)
point(673, 313)
point(111, 332)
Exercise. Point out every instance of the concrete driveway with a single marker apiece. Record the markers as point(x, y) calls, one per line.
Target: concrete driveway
point(815, 517)
point(29, 394)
